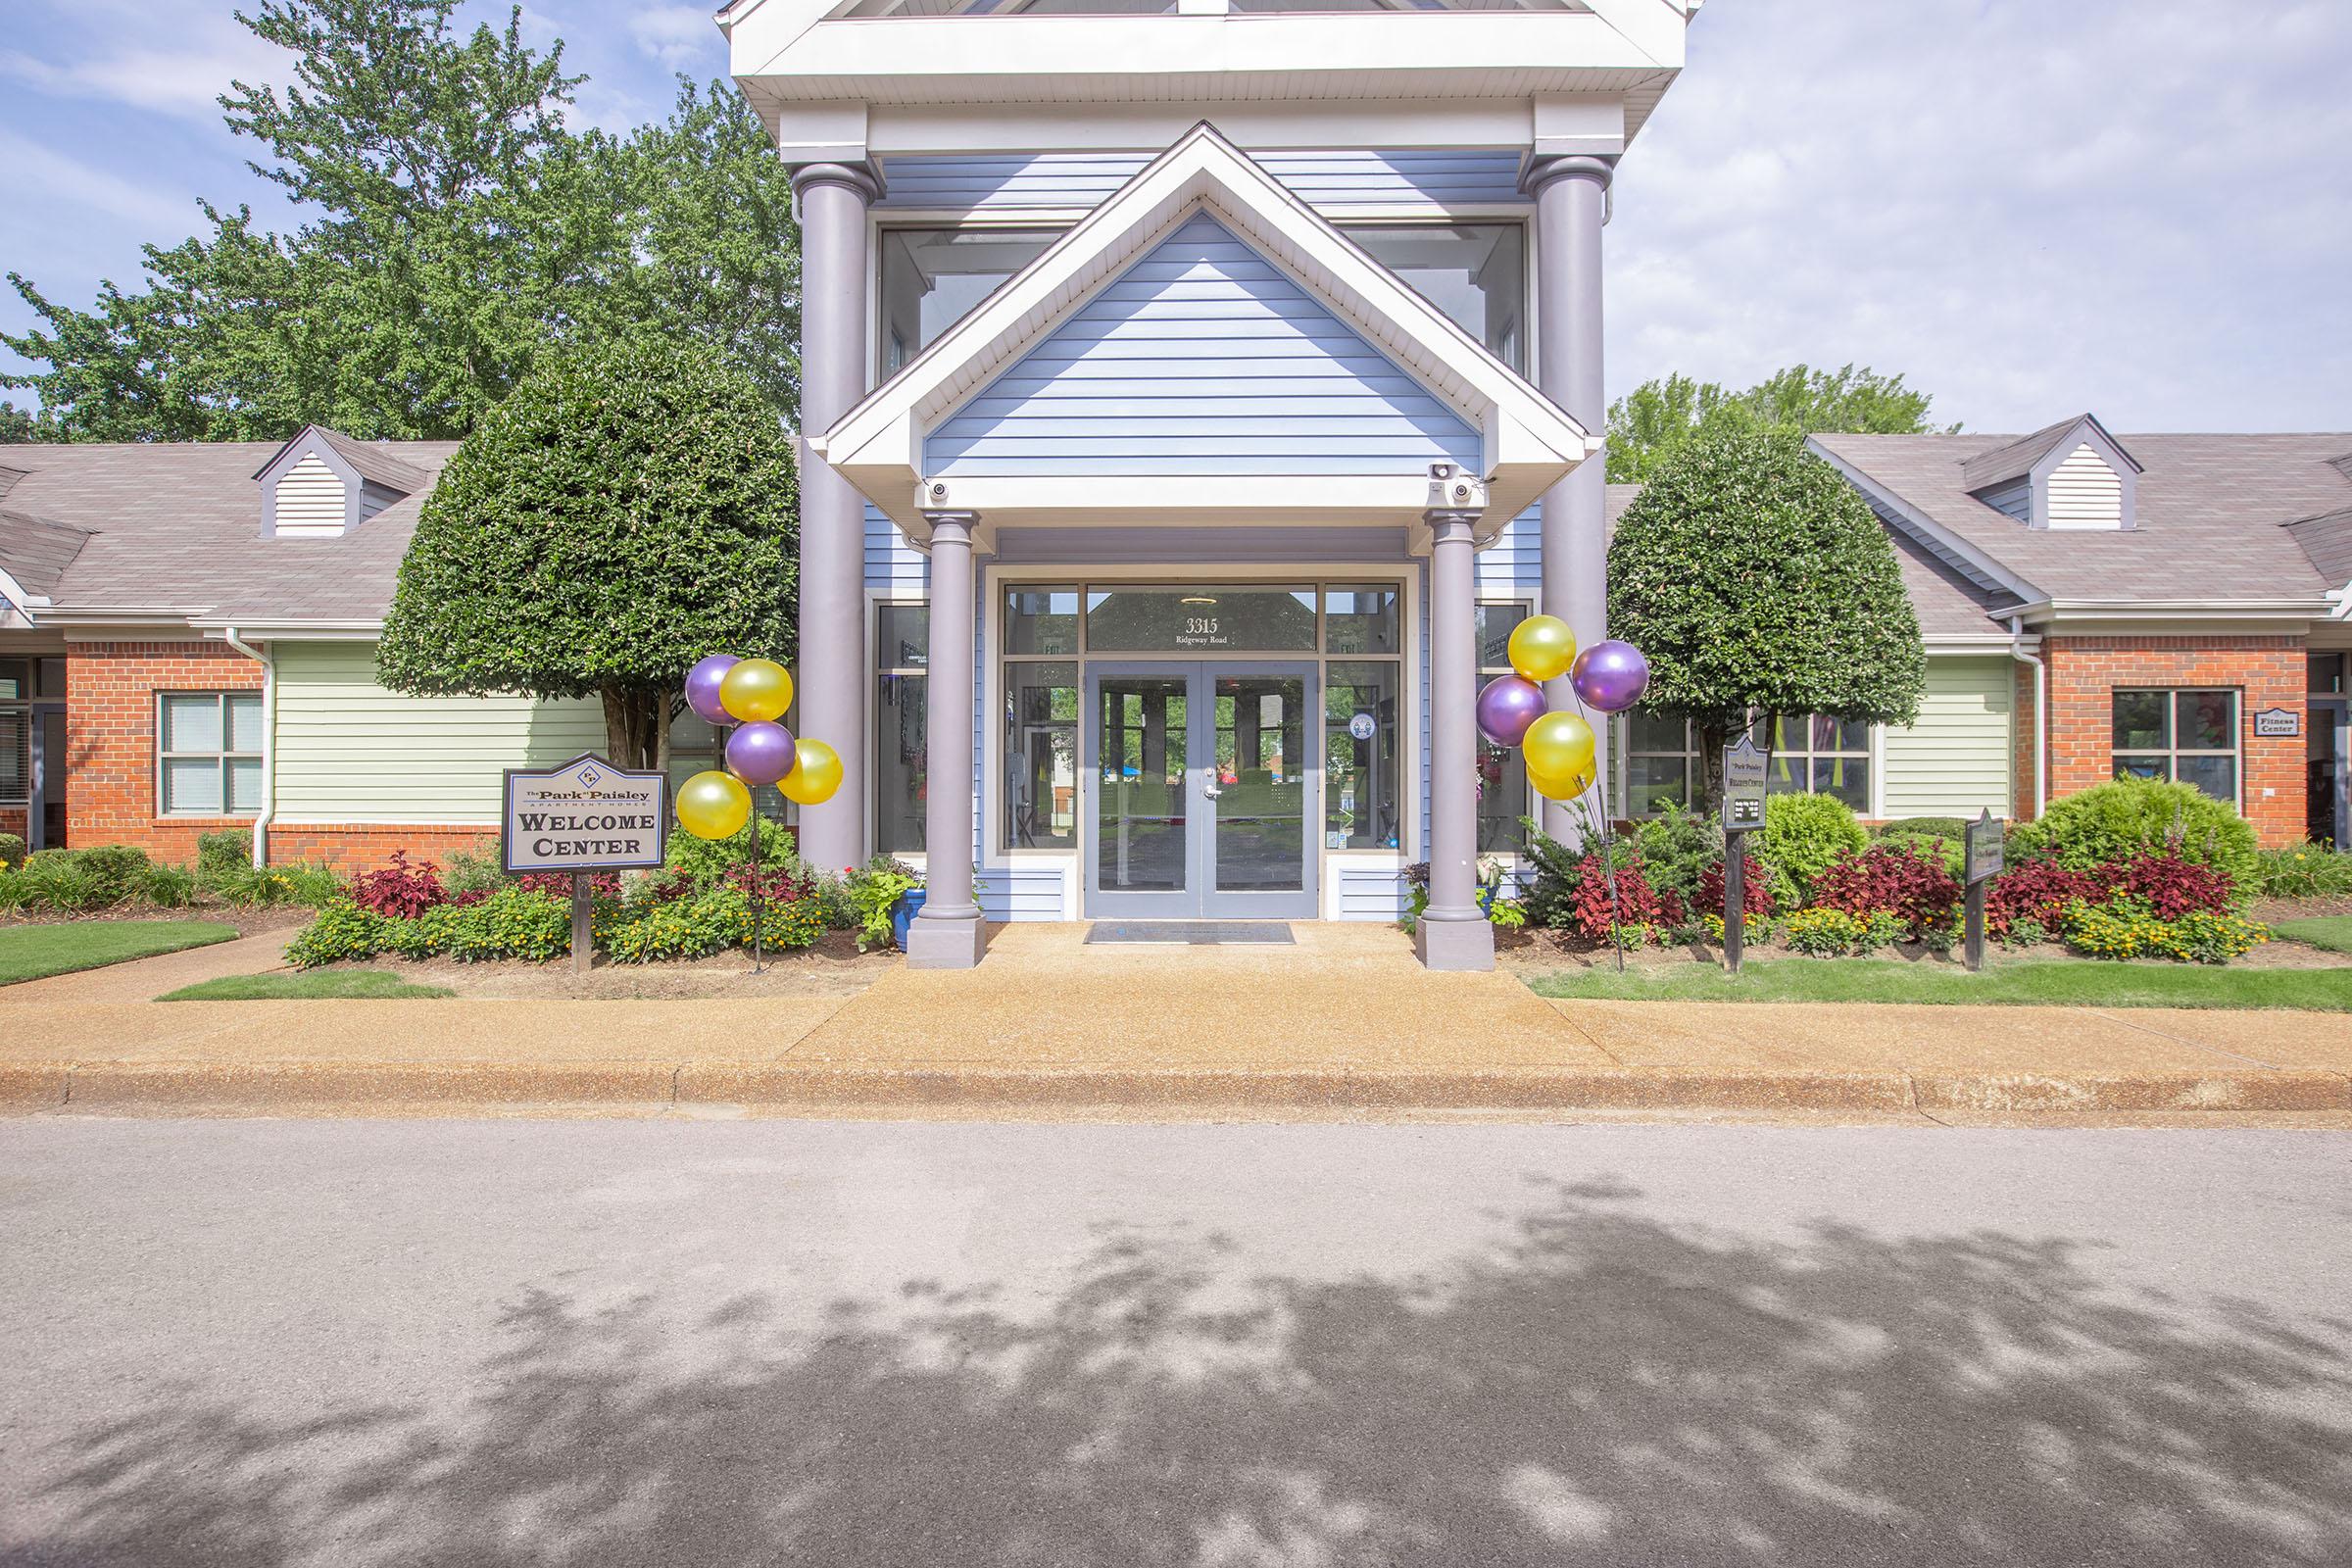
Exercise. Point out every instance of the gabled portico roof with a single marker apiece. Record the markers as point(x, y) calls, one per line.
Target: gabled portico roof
point(1527, 441)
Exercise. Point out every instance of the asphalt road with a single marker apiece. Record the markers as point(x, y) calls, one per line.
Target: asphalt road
point(621, 1343)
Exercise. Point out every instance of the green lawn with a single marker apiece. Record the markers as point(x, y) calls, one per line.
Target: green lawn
point(2333, 932)
point(32, 952)
point(315, 985)
point(2080, 983)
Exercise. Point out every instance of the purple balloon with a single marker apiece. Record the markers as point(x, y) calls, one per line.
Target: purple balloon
point(1507, 707)
point(760, 753)
point(702, 688)
point(1610, 676)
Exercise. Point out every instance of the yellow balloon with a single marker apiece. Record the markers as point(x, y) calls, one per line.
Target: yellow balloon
point(755, 691)
point(1566, 786)
point(1558, 747)
point(816, 774)
point(714, 806)
point(1542, 648)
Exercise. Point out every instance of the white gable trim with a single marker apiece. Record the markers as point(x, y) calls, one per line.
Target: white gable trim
point(2087, 432)
point(1528, 442)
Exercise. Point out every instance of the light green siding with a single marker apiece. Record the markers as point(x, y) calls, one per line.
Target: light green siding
point(1955, 760)
point(349, 750)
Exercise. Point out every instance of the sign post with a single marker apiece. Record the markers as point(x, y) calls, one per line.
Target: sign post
point(1983, 853)
point(1742, 814)
point(582, 817)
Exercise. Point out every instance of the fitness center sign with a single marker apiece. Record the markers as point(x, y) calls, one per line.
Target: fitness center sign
point(586, 815)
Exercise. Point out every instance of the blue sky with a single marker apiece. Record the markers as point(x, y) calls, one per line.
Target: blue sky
point(2140, 207)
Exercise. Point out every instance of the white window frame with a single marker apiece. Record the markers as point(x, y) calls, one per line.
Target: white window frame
point(1867, 754)
point(2173, 751)
point(222, 758)
point(20, 706)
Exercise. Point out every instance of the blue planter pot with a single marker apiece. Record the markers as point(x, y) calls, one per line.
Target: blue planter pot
point(903, 913)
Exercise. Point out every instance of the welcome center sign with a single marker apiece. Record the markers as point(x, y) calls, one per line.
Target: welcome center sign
point(586, 815)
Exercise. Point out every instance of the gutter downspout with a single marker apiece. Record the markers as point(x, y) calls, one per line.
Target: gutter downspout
point(2042, 706)
point(268, 664)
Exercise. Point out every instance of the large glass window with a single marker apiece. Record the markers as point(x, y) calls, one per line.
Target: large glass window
point(1661, 762)
point(1474, 273)
point(1503, 799)
point(2189, 736)
point(16, 731)
point(1813, 754)
point(1362, 810)
point(1041, 754)
point(902, 658)
point(209, 754)
point(931, 276)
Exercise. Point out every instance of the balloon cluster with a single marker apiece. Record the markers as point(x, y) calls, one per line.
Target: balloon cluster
point(750, 694)
point(1608, 677)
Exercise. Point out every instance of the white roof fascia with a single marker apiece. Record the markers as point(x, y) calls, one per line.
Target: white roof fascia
point(2054, 613)
point(1358, 54)
point(1929, 532)
point(1529, 441)
point(265, 626)
point(1992, 642)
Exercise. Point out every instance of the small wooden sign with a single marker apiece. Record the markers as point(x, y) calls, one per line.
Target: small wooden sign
point(1987, 846)
point(586, 815)
point(1742, 787)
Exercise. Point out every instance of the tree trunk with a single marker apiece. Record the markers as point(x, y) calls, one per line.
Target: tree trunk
point(633, 727)
point(1712, 739)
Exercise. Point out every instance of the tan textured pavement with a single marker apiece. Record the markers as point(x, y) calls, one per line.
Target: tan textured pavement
point(1343, 1022)
point(144, 979)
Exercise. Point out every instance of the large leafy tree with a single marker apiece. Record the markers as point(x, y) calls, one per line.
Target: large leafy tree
point(628, 509)
point(1756, 580)
point(454, 225)
point(1648, 423)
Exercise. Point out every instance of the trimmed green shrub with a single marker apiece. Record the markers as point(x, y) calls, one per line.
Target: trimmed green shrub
point(510, 924)
point(706, 863)
point(1948, 851)
point(340, 933)
point(305, 884)
point(221, 852)
point(1937, 828)
point(2129, 817)
point(468, 872)
point(170, 887)
point(1677, 850)
point(11, 852)
point(1804, 835)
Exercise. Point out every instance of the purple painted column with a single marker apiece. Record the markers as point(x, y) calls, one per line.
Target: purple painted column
point(1452, 933)
point(947, 933)
point(1571, 202)
point(833, 674)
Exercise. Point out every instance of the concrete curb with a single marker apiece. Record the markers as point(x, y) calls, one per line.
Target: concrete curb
point(326, 1089)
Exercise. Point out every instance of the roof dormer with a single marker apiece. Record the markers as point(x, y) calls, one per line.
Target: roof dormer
point(2068, 476)
point(322, 485)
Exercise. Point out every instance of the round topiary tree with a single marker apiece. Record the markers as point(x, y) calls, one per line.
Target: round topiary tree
point(2125, 819)
point(629, 508)
point(1756, 580)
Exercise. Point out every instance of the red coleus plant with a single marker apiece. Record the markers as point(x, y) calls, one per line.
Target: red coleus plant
point(401, 890)
point(2170, 886)
point(2038, 891)
point(1636, 904)
point(1915, 890)
point(1755, 893)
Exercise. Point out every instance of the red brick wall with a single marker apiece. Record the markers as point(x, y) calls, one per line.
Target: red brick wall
point(2024, 768)
point(2266, 671)
point(365, 847)
point(110, 739)
point(13, 820)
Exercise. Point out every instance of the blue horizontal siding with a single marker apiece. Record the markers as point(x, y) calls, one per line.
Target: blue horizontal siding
point(893, 566)
point(1200, 331)
point(1513, 566)
point(1433, 178)
point(1370, 892)
point(1020, 892)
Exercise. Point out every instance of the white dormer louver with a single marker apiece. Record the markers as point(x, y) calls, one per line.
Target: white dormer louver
point(311, 500)
point(322, 485)
point(2072, 475)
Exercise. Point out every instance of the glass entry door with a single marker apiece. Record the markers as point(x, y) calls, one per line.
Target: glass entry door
point(1202, 792)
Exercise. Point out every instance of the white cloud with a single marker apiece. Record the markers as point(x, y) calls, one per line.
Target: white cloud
point(2135, 206)
point(32, 176)
point(102, 52)
point(681, 38)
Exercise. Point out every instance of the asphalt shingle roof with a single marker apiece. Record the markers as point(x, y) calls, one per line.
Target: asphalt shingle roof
point(35, 552)
point(178, 526)
point(2209, 517)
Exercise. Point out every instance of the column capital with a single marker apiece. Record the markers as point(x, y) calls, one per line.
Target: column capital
point(1447, 525)
point(863, 179)
point(962, 523)
point(1576, 166)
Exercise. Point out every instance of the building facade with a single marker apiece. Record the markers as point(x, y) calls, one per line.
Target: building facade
point(1195, 397)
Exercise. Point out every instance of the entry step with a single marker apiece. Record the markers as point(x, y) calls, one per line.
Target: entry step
point(1192, 933)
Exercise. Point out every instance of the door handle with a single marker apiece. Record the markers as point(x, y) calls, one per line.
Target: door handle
point(1211, 791)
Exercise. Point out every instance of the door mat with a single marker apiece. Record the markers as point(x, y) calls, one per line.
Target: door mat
point(1191, 933)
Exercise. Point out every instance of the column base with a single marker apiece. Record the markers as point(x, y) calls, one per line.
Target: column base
point(1454, 944)
point(945, 942)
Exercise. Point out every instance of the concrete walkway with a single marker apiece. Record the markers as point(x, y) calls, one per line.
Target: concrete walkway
point(1344, 1023)
point(145, 979)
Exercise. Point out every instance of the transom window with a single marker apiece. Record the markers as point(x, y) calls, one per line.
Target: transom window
point(209, 754)
point(2187, 736)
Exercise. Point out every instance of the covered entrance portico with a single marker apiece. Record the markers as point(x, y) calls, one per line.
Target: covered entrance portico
point(1205, 418)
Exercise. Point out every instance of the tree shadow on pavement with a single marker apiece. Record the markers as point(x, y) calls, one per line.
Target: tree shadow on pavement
point(1604, 1389)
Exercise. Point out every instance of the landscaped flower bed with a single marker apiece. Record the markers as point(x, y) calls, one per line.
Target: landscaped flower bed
point(2133, 869)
